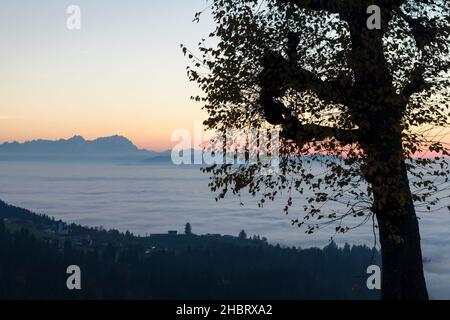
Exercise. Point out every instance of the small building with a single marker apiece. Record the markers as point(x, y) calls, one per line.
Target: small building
point(214, 235)
point(164, 236)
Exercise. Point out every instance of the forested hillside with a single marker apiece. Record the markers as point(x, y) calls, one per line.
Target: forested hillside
point(34, 259)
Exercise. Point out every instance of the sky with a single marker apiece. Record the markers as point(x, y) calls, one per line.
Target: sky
point(122, 73)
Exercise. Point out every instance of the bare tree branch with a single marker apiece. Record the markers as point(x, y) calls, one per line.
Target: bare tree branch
point(273, 85)
point(280, 74)
point(277, 114)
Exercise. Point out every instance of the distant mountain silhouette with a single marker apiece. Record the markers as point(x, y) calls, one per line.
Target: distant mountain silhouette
point(166, 156)
point(117, 147)
point(161, 157)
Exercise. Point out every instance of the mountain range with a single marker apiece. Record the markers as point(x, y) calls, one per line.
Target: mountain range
point(114, 147)
point(77, 148)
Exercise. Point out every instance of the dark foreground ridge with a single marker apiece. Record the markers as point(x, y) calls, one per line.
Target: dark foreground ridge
point(35, 251)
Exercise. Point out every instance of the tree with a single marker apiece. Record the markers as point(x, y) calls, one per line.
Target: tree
point(242, 235)
point(368, 102)
point(188, 229)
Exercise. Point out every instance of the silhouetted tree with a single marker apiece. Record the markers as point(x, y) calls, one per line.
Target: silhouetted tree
point(188, 229)
point(369, 102)
point(242, 235)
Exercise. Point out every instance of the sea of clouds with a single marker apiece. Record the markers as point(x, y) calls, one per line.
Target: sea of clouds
point(147, 199)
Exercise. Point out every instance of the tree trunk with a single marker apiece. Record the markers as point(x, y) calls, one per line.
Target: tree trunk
point(379, 115)
point(402, 269)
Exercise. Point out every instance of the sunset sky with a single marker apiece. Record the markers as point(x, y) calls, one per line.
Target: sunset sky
point(122, 73)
